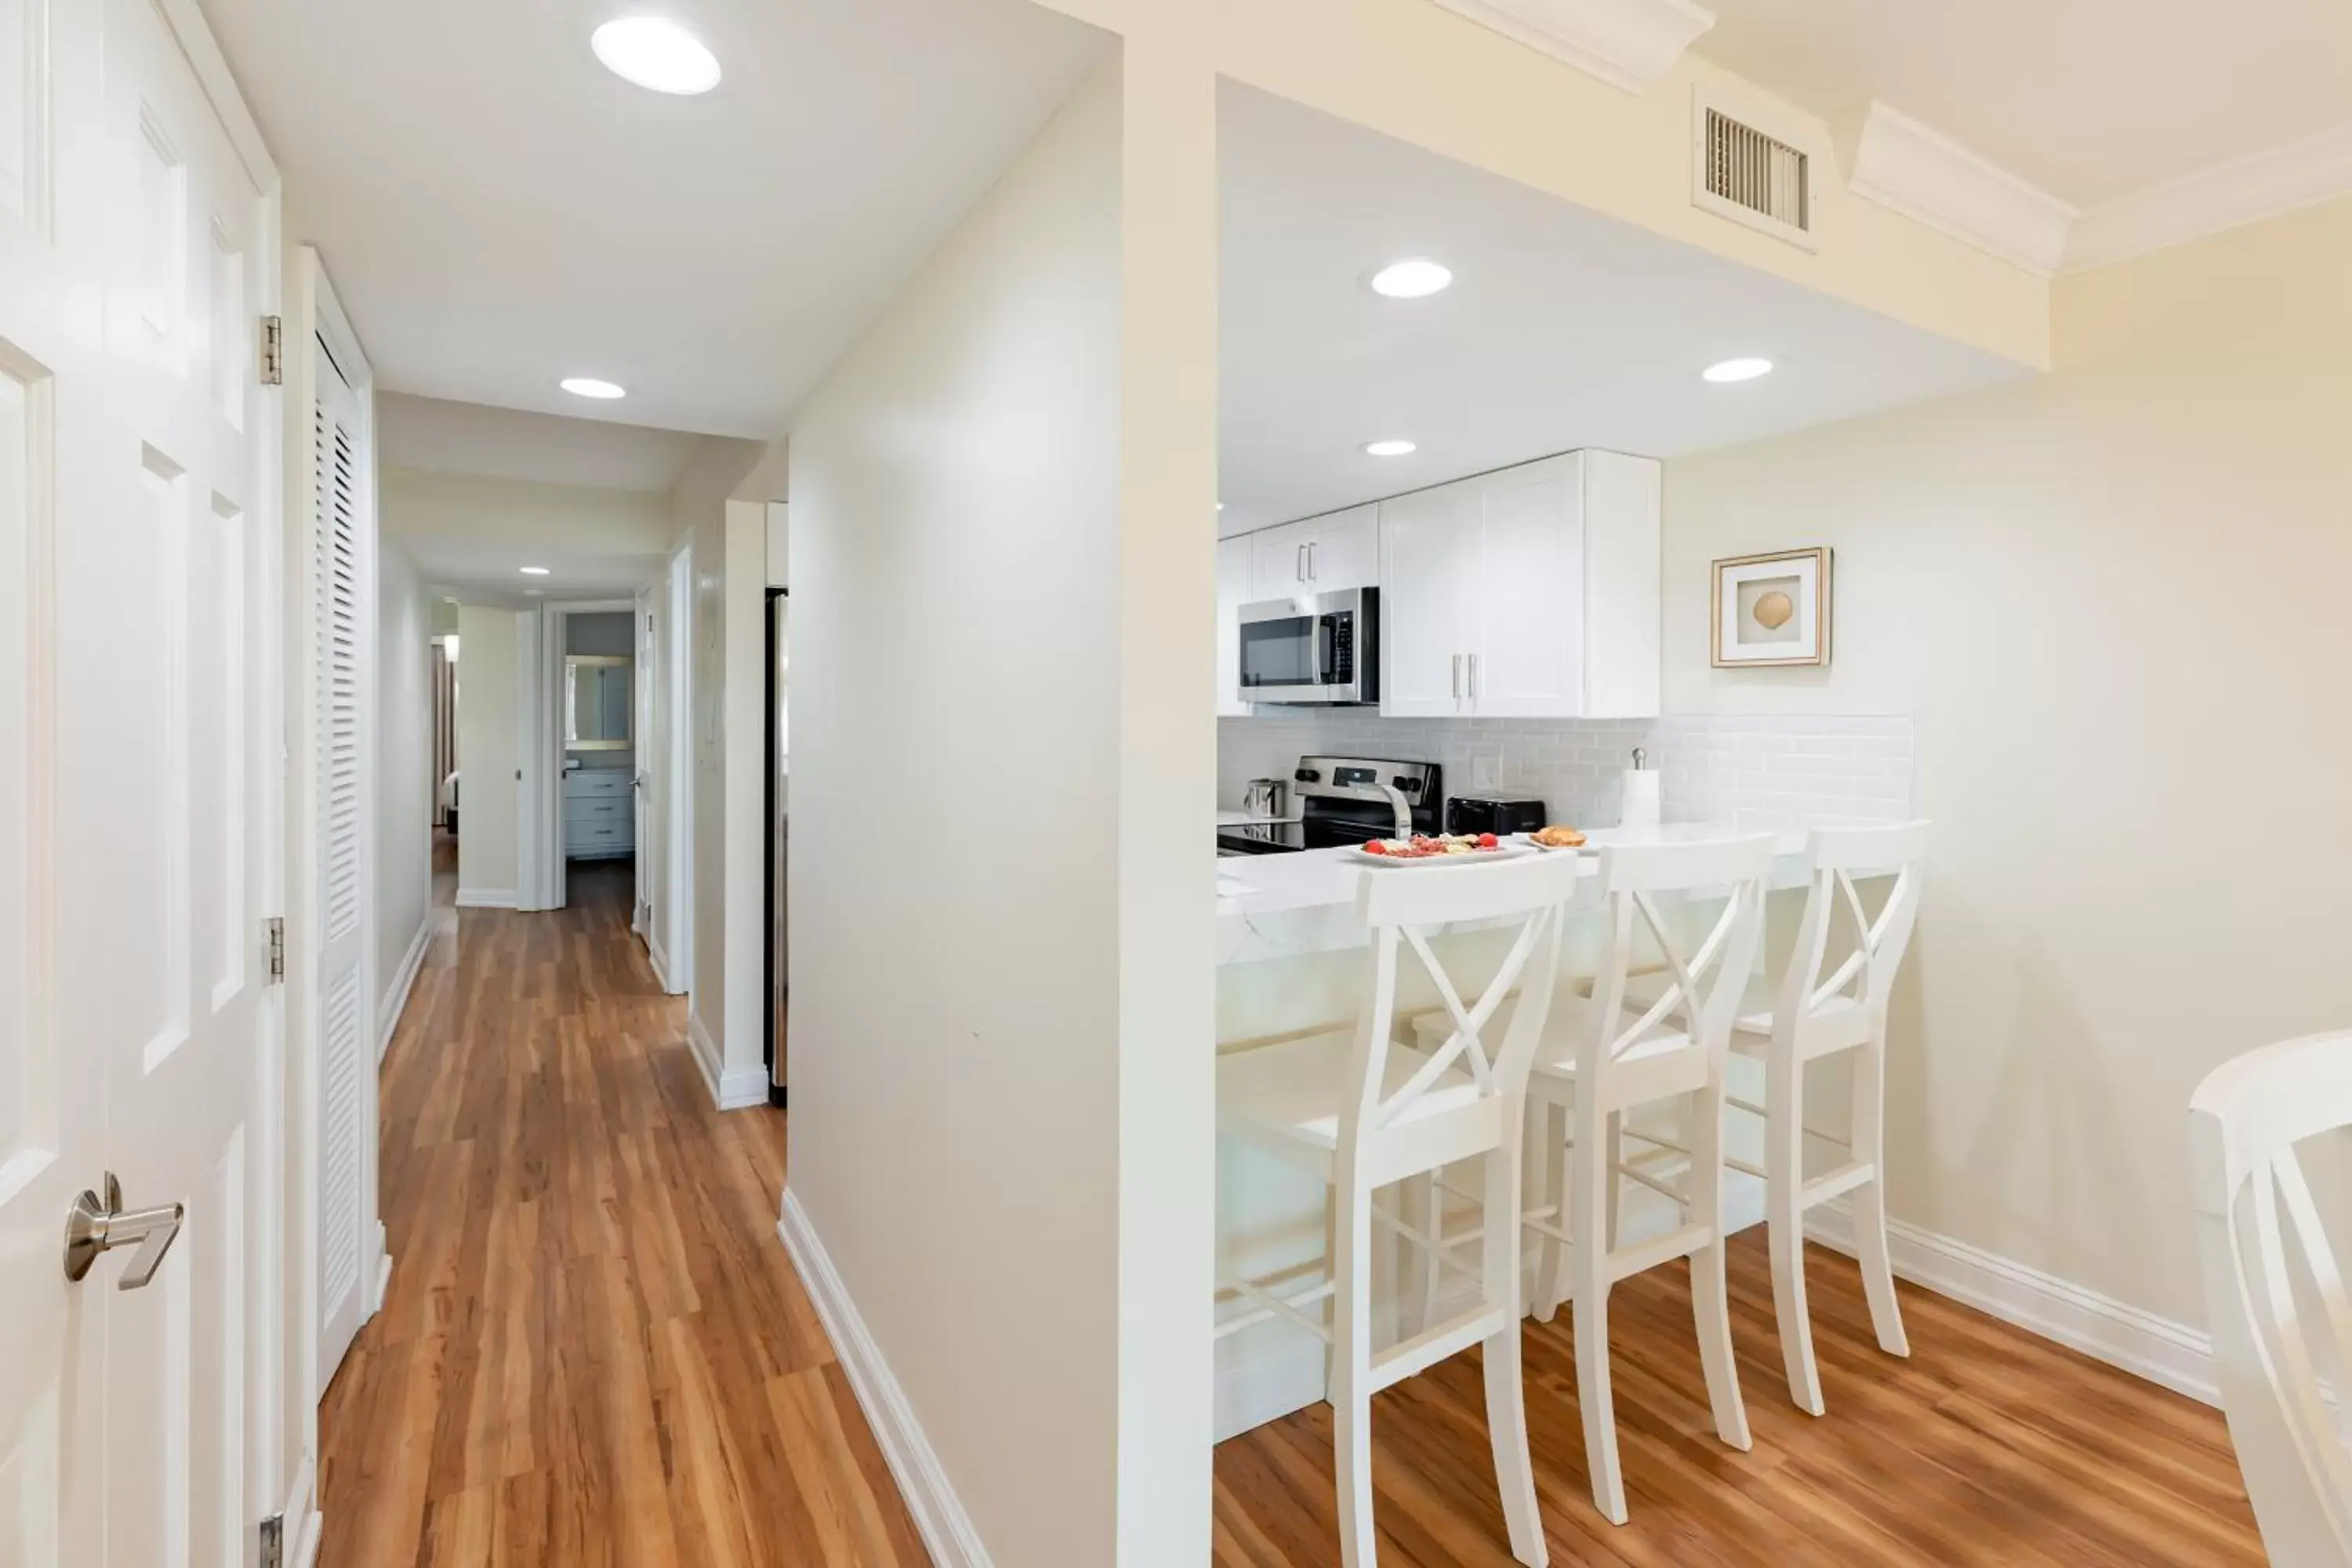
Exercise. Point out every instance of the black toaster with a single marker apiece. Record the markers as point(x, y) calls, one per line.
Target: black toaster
point(1493, 813)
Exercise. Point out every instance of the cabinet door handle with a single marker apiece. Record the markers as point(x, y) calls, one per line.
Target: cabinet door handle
point(1298, 564)
point(1310, 561)
point(1474, 678)
point(1457, 678)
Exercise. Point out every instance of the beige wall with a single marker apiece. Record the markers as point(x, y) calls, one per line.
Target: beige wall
point(620, 524)
point(955, 966)
point(2114, 600)
point(404, 781)
point(1414, 71)
point(725, 568)
point(488, 751)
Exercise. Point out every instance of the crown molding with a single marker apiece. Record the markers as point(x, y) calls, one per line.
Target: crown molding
point(1628, 44)
point(1919, 172)
point(2243, 191)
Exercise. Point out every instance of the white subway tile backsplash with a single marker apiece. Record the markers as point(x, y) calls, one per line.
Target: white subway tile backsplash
point(1752, 772)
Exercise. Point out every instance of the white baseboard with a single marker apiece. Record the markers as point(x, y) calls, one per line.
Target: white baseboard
point(660, 957)
point(395, 1000)
point(734, 1090)
point(485, 897)
point(383, 1281)
point(1277, 1382)
point(940, 1518)
point(2171, 1354)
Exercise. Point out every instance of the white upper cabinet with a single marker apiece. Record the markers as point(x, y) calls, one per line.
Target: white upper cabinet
point(1423, 588)
point(1234, 576)
point(1532, 591)
point(1320, 555)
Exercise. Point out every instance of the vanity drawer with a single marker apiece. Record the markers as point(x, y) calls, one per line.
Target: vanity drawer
point(582, 784)
point(582, 809)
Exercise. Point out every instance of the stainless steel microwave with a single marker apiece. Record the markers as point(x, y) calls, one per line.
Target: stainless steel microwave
point(1314, 649)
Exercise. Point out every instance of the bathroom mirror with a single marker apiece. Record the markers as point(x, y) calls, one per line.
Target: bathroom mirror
point(595, 702)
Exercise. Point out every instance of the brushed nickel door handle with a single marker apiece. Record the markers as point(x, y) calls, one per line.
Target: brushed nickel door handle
point(95, 1225)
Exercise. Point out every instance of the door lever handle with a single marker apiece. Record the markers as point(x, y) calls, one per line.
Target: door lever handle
point(95, 1225)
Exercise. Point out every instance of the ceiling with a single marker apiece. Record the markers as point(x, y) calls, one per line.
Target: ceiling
point(1563, 329)
point(2090, 99)
point(498, 212)
point(428, 433)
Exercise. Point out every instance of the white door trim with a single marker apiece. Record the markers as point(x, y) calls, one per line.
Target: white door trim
point(677, 657)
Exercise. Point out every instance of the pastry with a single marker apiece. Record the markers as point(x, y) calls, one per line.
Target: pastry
point(1558, 837)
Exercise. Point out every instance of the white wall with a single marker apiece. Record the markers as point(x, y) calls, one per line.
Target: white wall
point(489, 753)
point(404, 782)
point(2115, 602)
point(955, 557)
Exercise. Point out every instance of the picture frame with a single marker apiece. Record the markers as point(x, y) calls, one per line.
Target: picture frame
point(1772, 611)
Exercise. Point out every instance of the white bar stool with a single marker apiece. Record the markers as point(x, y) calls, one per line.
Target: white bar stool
point(1364, 1112)
point(2281, 1321)
point(1599, 1060)
point(1804, 1018)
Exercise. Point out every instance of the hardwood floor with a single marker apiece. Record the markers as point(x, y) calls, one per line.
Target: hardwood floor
point(595, 1352)
point(1988, 1446)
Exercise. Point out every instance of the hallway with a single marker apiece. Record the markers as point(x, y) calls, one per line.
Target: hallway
point(593, 1351)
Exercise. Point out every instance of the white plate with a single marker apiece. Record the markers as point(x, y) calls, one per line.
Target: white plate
point(1502, 851)
point(1529, 840)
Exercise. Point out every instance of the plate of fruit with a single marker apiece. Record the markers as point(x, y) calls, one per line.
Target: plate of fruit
point(1437, 849)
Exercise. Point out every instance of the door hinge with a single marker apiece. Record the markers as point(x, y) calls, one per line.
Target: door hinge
point(273, 943)
point(273, 1541)
point(273, 351)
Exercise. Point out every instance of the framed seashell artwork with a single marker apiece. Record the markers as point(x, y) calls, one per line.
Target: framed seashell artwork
point(1772, 610)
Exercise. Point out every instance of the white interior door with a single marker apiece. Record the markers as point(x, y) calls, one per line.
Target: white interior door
point(137, 804)
point(342, 586)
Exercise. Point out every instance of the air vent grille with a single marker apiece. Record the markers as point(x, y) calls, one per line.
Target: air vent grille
point(1751, 170)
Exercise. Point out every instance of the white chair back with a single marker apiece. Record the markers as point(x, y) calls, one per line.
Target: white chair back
point(1401, 905)
point(1706, 978)
point(1864, 980)
point(2281, 1324)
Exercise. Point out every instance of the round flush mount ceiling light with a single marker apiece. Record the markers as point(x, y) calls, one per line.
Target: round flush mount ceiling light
point(1416, 277)
point(589, 386)
point(534, 571)
point(656, 53)
point(1389, 448)
point(1737, 370)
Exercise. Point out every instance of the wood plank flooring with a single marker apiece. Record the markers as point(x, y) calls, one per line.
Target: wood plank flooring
point(1987, 1447)
point(596, 1354)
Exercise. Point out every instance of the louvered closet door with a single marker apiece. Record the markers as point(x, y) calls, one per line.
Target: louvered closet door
point(343, 587)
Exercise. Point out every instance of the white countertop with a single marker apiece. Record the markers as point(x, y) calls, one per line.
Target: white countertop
point(1236, 818)
point(1278, 906)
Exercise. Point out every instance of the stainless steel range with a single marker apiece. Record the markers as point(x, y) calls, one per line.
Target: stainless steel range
point(1343, 801)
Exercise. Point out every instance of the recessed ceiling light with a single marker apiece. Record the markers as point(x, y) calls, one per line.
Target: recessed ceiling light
point(589, 386)
point(655, 52)
point(531, 593)
point(534, 571)
point(1737, 370)
point(1414, 279)
point(1221, 506)
point(1388, 448)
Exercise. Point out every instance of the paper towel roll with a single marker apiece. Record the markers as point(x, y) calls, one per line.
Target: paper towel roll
point(1640, 799)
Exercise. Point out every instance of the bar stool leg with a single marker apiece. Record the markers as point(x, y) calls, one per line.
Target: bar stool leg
point(1784, 1166)
point(1870, 1199)
point(1710, 1296)
point(1351, 1391)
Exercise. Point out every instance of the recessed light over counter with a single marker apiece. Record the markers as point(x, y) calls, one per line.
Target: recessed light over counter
point(1737, 370)
point(589, 386)
point(1389, 448)
point(656, 53)
point(534, 571)
point(1416, 277)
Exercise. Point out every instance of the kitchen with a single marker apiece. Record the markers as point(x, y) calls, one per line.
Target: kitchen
point(1441, 607)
